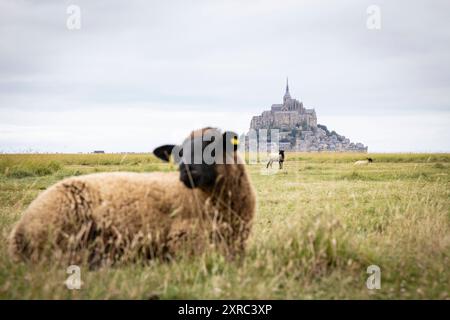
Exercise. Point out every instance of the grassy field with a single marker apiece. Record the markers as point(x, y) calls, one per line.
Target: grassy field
point(320, 223)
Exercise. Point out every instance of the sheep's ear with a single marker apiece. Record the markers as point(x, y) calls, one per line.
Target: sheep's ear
point(164, 152)
point(230, 139)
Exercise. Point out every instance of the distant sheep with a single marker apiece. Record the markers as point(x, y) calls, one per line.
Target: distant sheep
point(363, 162)
point(279, 157)
point(106, 218)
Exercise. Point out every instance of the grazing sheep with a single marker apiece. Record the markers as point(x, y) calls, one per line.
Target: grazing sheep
point(363, 162)
point(106, 218)
point(276, 157)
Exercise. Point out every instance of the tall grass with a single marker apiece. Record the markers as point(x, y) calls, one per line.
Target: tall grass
point(37, 165)
point(320, 223)
point(97, 159)
point(16, 168)
point(337, 157)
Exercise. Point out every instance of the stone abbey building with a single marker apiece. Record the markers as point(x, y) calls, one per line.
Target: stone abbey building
point(298, 128)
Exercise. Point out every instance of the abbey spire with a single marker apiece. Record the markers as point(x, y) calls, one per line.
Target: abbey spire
point(287, 95)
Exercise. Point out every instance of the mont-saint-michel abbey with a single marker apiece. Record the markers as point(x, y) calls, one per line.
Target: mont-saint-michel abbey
point(298, 129)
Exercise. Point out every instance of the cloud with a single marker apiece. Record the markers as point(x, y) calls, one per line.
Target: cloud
point(219, 57)
point(103, 129)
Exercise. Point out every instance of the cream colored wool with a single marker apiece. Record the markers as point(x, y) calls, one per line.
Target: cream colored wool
point(361, 163)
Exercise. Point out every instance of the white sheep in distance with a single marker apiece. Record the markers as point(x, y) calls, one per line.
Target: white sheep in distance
point(363, 162)
point(278, 157)
point(106, 218)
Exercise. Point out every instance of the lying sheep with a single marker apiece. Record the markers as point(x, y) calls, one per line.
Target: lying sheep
point(279, 157)
point(363, 162)
point(106, 218)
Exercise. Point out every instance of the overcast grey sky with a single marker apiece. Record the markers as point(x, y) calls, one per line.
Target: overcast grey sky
point(142, 73)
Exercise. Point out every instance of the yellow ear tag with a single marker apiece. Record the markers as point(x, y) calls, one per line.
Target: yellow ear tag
point(235, 141)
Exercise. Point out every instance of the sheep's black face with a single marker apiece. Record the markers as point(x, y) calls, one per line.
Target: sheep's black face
point(199, 155)
point(197, 175)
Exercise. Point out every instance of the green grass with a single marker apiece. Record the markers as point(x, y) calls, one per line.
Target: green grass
point(320, 223)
